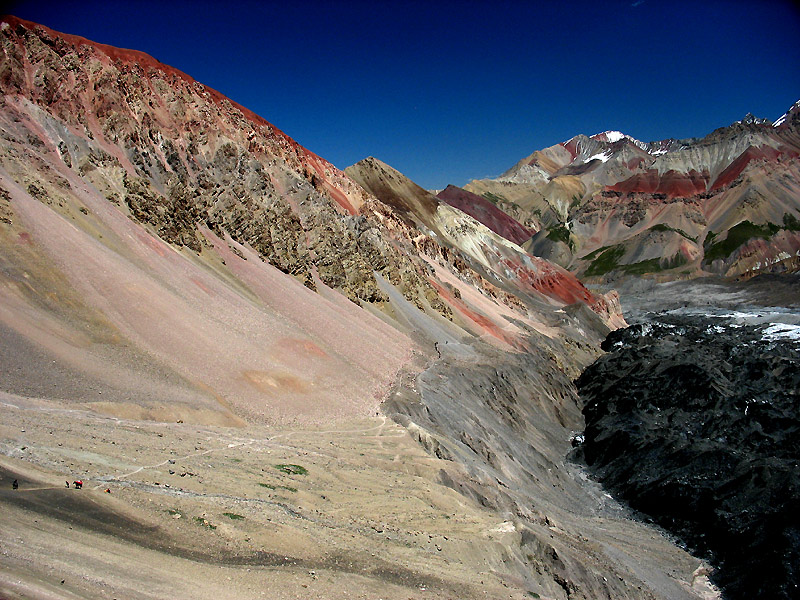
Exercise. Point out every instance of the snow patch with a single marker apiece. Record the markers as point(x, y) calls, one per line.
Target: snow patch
point(614, 136)
point(603, 156)
point(785, 115)
point(782, 331)
point(504, 527)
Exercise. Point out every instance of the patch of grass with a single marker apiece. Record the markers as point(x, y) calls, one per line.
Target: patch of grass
point(291, 469)
point(663, 227)
point(173, 511)
point(654, 265)
point(494, 198)
point(233, 516)
point(605, 261)
point(204, 523)
point(269, 486)
point(594, 253)
point(236, 460)
point(738, 235)
point(560, 234)
point(790, 222)
point(576, 201)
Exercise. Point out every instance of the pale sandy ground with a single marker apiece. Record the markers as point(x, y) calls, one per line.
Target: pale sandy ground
point(367, 520)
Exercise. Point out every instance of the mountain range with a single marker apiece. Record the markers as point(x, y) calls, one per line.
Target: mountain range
point(609, 205)
point(189, 295)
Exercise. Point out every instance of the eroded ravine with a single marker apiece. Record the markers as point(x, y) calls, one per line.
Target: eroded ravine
point(503, 423)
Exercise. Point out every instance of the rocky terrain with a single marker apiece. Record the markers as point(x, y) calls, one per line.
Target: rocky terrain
point(275, 377)
point(692, 418)
point(609, 205)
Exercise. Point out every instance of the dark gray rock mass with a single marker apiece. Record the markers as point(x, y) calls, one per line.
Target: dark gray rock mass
point(694, 422)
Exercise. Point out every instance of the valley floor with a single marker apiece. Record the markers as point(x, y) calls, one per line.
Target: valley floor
point(213, 512)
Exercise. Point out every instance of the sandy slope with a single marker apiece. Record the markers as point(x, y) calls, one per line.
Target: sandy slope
point(251, 338)
point(367, 520)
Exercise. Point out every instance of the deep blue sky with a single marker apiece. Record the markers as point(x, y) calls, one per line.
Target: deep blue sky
point(450, 91)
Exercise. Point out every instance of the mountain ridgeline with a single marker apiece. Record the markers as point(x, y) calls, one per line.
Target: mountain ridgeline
point(609, 205)
point(167, 256)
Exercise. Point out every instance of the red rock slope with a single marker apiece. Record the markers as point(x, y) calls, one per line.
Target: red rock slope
point(487, 213)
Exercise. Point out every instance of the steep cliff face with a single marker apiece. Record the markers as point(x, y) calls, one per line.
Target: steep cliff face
point(168, 256)
point(611, 205)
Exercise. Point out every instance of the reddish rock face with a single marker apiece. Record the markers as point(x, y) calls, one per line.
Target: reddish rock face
point(763, 153)
point(487, 213)
point(671, 184)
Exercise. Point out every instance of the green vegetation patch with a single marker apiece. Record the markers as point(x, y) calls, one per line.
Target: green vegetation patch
point(607, 258)
point(663, 227)
point(494, 198)
point(269, 486)
point(604, 259)
point(291, 469)
point(233, 516)
point(790, 222)
point(654, 265)
point(594, 253)
point(560, 234)
point(737, 235)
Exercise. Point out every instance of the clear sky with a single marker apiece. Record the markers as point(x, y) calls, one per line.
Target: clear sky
point(451, 91)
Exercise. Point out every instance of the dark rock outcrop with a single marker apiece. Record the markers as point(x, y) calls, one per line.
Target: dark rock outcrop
point(694, 422)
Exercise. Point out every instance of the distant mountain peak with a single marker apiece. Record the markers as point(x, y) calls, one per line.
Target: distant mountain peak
point(611, 136)
point(751, 119)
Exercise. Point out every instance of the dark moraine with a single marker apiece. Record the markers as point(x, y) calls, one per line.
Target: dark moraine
point(694, 421)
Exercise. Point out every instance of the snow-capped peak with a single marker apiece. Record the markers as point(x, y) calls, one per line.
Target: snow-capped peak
point(610, 136)
point(785, 115)
point(614, 136)
point(750, 119)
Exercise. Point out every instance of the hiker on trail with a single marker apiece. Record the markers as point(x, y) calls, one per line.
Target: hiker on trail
point(15, 485)
point(78, 484)
point(67, 484)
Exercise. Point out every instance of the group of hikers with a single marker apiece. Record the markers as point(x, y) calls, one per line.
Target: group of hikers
point(78, 483)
